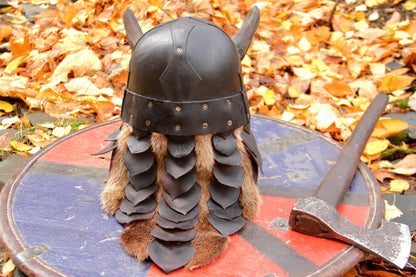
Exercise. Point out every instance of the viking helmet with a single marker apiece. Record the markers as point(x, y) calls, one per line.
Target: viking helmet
point(184, 80)
point(185, 77)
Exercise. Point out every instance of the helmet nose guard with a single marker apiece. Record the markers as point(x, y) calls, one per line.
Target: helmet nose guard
point(185, 77)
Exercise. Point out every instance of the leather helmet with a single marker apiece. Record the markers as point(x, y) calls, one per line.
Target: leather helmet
point(185, 78)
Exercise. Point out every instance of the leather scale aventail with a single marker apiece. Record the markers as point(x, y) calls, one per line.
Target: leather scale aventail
point(184, 165)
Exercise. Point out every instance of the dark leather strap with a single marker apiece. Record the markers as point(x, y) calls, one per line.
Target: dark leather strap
point(185, 118)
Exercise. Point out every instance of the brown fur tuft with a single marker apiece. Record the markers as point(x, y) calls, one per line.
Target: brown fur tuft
point(114, 190)
point(137, 237)
point(160, 149)
point(204, 168)
point(249, 197)
point(209, 245)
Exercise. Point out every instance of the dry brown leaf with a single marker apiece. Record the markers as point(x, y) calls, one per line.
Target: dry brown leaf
point(5, 142)
point(338, 89)
point(382, 174)
point(40, 138)
point(406, 166)
point(395, 82)
point(410, 60)
point(81, 63)
point(104, 109)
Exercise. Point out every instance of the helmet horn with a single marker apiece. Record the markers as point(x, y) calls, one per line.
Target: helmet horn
point(133, 30)
point(243, 38)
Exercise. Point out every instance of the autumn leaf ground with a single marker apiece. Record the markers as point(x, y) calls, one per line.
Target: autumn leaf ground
point(314, 63)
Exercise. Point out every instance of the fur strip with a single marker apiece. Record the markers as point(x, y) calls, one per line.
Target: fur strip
point(249, 197)
point(160, 148)
point(114, 190)
point(137, 237)
point(204, 168)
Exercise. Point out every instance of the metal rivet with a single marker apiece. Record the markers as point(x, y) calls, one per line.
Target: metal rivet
point(205, 107)
point(150, 104)
point(147, 122)
point(178, 109)
point(228, 101)
point(178, 127)
point(205, 125)
point(133, 98)
point(179, 50)
point(229, 122)
point(131, 118)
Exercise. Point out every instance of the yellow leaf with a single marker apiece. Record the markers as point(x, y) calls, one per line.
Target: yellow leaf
point(6, 106)
point(319, 65)
point(20, 146)
point(398, 185)
point(303, 73)
point(410, 5)
point(377, 68)
point(14, 64)
point(389, 126)
point(304, 45)
point(295, 60)
point(395, 82)
point(8, 268)
point(267, 94)
point(294, 91)
point(372, 3)
point(338, 89)
point(376, 147)
point(392, 211)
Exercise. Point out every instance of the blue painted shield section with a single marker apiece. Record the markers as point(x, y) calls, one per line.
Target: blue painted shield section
point(301, 160)
point(65, 214)
point(266, 130)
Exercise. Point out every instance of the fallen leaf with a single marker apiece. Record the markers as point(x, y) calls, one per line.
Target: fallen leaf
point(410, 5)
point(391, 211)
point(389, 126)
point(376, 147)
point(382, 174)
point(406, 166)
point(267, 94)
point(8, 268)
point(398, 185)
point(294, 91)
point(104, 109)
point(338, 89)
point(6, 106)
point(61, 131)
point(83, 86)
point(5, 142)
point(20, 146)
point(395, 82)
point(303, 73)
point(7, 122)
point(39, 139)
point(377, 68)
point(80, 63)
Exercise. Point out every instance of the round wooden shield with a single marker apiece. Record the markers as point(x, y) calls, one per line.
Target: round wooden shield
point(53, 224)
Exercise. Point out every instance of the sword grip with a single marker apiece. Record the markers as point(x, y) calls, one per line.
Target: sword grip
point(336, 183)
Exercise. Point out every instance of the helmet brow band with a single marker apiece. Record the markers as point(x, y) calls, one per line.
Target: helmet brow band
point(185, 118)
